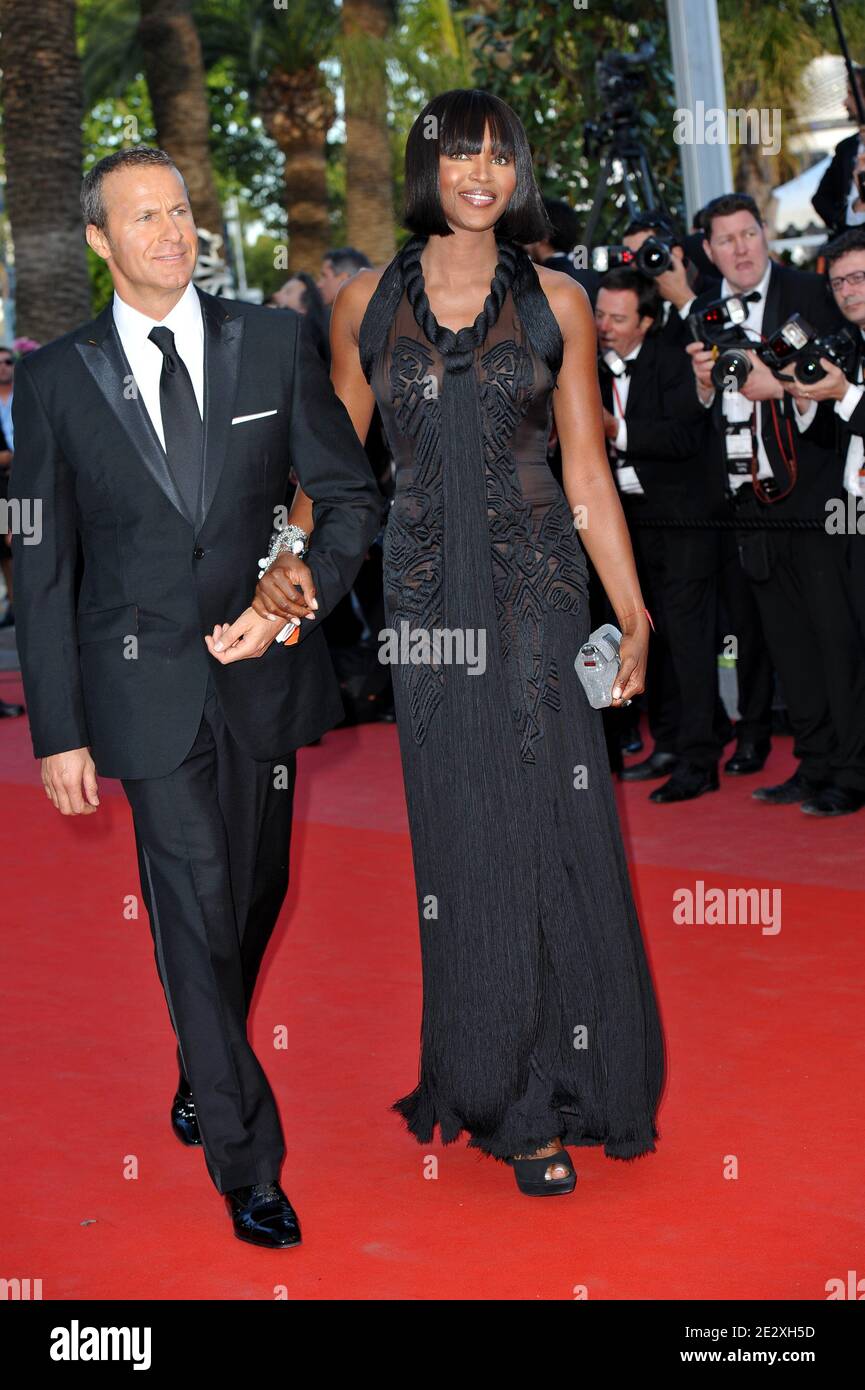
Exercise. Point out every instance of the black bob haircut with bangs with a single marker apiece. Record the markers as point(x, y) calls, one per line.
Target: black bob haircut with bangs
point(454, 123)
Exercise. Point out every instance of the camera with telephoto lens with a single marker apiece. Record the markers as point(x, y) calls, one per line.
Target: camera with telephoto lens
point(839, 348)
point(653, 258)
point(719, 327)
point(797, 343)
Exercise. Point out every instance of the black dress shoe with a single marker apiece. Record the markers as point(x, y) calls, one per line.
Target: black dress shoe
point(748, 757)
point(686, 783)
point(834, 801)
point(8, 711)
point(184, 1120)
point(796, 788)
point(658, 765)
point(631, 741)
point(263, 1215)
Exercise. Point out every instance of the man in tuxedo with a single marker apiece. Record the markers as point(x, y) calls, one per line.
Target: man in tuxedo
point(778, 464)
point(678, 286)
point(656, 435)
point(158, 441)
point(838, 200)
point(837, 553)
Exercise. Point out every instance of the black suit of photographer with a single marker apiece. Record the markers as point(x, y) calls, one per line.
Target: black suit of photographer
point(831, 199)
point(118, 663)
point(836, 569)
point(667, 433)
point(790, 571)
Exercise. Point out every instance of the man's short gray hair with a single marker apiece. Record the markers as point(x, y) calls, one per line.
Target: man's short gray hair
point(92, 200)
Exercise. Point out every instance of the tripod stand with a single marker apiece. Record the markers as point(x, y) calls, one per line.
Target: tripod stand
point(622, 145)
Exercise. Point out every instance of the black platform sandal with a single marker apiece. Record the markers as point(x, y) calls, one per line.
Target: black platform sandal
point(531, 1176)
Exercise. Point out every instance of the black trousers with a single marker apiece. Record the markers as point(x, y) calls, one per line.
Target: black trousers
point(835, 571)
point(741, 618)
point(804, 583)
point(684, 573)
point(213, 842)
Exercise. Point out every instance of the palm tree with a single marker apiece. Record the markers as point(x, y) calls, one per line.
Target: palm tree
point(366, 25)
point(176, 81)
point(276, 54)
point(42, 112)
point(766, 49)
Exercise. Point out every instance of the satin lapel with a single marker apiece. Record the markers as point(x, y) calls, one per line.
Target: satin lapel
point(773, 314)
point(104, 358)
point(223, 339)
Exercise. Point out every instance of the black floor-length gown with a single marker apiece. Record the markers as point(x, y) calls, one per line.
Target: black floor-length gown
point(539, 1015)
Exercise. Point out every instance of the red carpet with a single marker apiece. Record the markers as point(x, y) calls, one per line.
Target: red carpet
point(763, 1030)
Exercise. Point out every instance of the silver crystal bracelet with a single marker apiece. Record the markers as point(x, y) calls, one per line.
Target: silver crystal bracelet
point(288, 538)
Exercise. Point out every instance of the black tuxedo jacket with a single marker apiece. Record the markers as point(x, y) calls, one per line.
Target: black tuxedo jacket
point(667, 431)
point(112, 603)
point(789, 292)
point(830, 200)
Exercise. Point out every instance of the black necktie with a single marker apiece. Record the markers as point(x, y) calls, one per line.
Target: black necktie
point(181, 422)
point(753, 297)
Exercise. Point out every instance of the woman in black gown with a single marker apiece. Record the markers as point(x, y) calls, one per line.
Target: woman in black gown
point(540, 1026)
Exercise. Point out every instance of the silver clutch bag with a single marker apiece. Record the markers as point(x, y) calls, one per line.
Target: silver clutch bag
point(597, 665)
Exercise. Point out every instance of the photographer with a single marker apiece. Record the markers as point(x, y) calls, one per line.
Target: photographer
point(839, 199)
point(774, 470)
point(837, 558)
point(656, 432)
point(679, 285)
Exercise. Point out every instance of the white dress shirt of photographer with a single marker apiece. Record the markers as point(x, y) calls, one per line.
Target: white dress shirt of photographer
point(626, 476)
point(854, 462)
point(736, 408)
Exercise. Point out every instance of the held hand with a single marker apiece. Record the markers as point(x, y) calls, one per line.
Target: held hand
point(831, 387)
point(248, 636)
point(634, 652)
point(702, 361)
point(611, 424)
point(673, 284)
point(69, 780)
point(761, 384)
point(277, 590)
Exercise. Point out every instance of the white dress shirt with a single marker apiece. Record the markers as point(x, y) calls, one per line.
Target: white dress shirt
point(145, 358)
point(626, 476)
point(854, 463)
point(737, 408)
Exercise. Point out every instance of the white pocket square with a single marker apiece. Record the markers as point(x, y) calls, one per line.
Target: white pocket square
point(241, 419)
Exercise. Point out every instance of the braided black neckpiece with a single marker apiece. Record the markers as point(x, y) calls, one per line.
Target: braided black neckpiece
point(457, 349)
